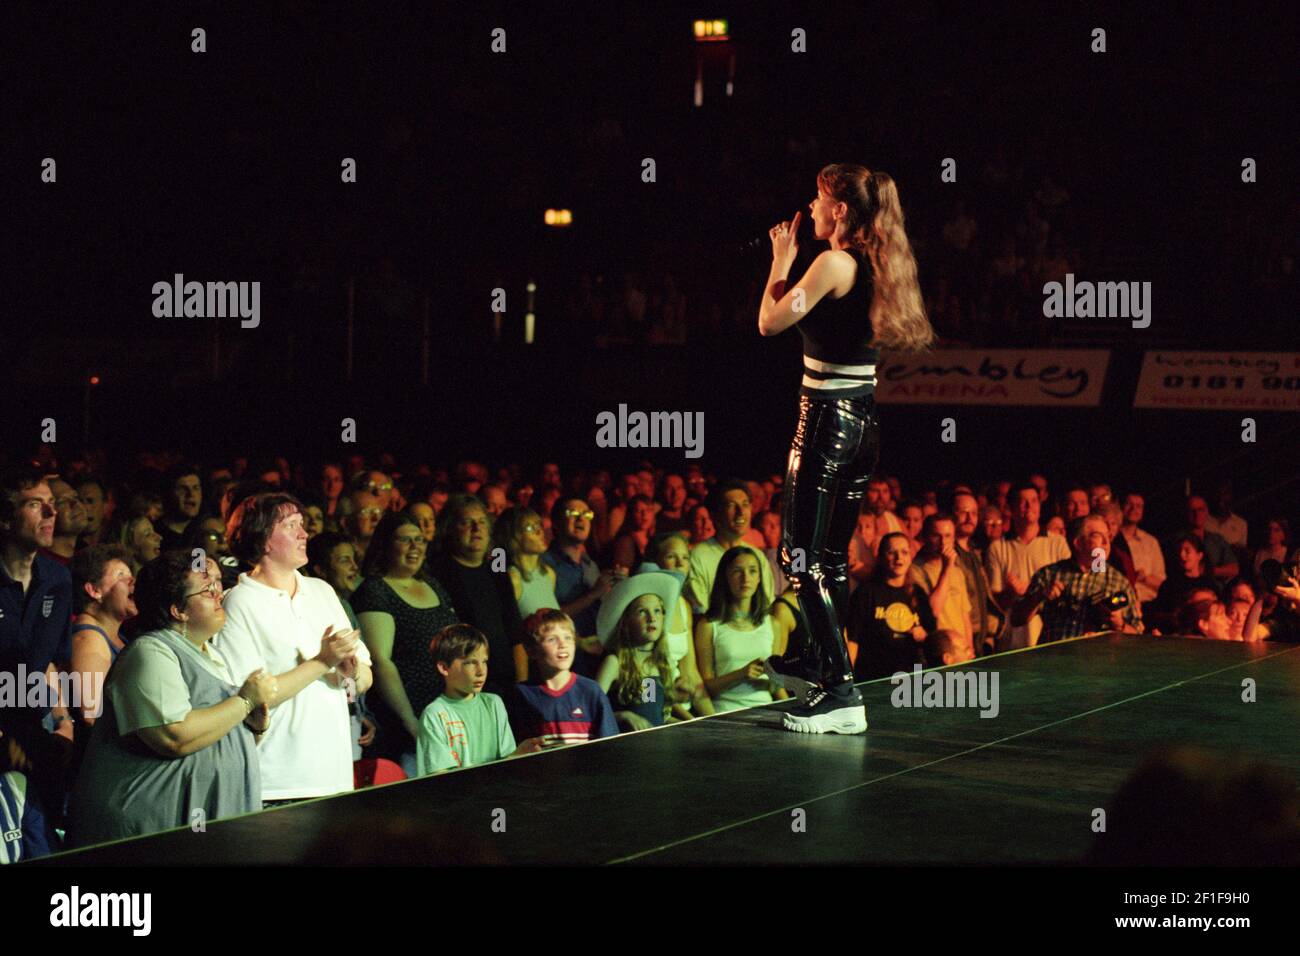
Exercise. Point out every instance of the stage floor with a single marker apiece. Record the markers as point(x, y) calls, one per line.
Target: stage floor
point(923, 785)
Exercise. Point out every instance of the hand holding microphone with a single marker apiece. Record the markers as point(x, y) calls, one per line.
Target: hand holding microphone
point(784, 245)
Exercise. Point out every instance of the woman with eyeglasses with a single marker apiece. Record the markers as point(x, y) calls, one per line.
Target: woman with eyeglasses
point(519, 532)
point(176, 742)
point(400, 607)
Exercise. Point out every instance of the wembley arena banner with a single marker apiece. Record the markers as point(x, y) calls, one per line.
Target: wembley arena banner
point(1056, 377)
point(1246, 381)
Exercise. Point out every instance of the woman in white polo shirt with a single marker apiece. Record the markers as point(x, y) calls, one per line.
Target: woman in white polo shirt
point(296, 628)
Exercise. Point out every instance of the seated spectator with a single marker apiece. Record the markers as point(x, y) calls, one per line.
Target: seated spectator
point(359, 513)
point(735, 637)
point(1075, 503)
point(1239, 589)
point(332, 558)
point(674, 515)
point(1204, 619)
point(701, 524)
point(890, 615)
point(911, 515)
point(579, 582)
point(769, 526)
point(330, 486)
point(986, 620)
point(939, 574)
point(69, 522)
point(377, 485)
point(1278, 545)
point(1189, 574)
point(990, 528)
point(1073, 596)
point(25, 831)
point(437, 497)
point(1220, 562)
point(295, 627)
point(1099, 496)
point(629, 487)
point(876, 502)
point(672, 556)
point(482, 597)
point(399, 606)
point(556, 705)
point(1148, 559)
point(495, 499)
point(1238, 616)
point(1119, 552)
point(176, 743)
point(632, 541)
point(518, 531)
point(313, 516)
point(94, 498)
point(464, 726)
point(209, 535)
point(182, 502)
point(636, 673)
point(102, 599)
point(1223, 522)
point(943, 648)
point(35, 611)
point(1013, 559)
point(425, 517)
point(729, 507)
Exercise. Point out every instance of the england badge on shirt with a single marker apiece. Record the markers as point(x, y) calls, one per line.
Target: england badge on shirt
point(47, 606)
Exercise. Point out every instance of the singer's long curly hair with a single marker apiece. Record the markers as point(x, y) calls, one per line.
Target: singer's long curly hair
point(874, 225)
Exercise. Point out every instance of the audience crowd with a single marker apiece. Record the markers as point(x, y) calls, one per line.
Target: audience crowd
point(185, 643)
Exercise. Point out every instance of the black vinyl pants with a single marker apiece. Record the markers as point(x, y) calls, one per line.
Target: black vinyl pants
point(835, 449)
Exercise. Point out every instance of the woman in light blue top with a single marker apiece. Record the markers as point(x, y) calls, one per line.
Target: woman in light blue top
point(519, 532)
point(176, 742)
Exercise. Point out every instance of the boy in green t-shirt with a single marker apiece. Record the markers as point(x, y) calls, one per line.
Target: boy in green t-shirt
point(464, 726)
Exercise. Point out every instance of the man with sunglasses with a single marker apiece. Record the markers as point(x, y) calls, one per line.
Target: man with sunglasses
point(579, 582)
point(375, 483)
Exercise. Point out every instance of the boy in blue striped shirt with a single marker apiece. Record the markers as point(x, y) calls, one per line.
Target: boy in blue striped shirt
point(555, 704)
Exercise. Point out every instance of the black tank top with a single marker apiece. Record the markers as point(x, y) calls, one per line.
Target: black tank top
point(839, 361)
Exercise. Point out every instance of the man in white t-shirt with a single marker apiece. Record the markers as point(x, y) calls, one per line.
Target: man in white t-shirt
point(1148, 559)
point(296, 628)
point(729, 505)
point(1014, 558)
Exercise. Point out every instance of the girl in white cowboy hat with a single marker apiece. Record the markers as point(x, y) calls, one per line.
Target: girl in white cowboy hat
point(735, 637)
point(636, 672)
point(690, 697)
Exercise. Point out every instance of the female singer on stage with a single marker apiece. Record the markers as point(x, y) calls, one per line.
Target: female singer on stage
point(858, 296)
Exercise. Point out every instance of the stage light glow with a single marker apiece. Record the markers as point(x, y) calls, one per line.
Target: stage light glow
point(711, 31)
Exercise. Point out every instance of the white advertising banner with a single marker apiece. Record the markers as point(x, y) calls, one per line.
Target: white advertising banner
point(1056, 377)
point(1248, 381)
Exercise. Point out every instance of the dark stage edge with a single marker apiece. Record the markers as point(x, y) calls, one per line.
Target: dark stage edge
point(924, 786)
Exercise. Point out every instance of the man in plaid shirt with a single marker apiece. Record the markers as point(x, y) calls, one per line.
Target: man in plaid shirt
point(1070, 592)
